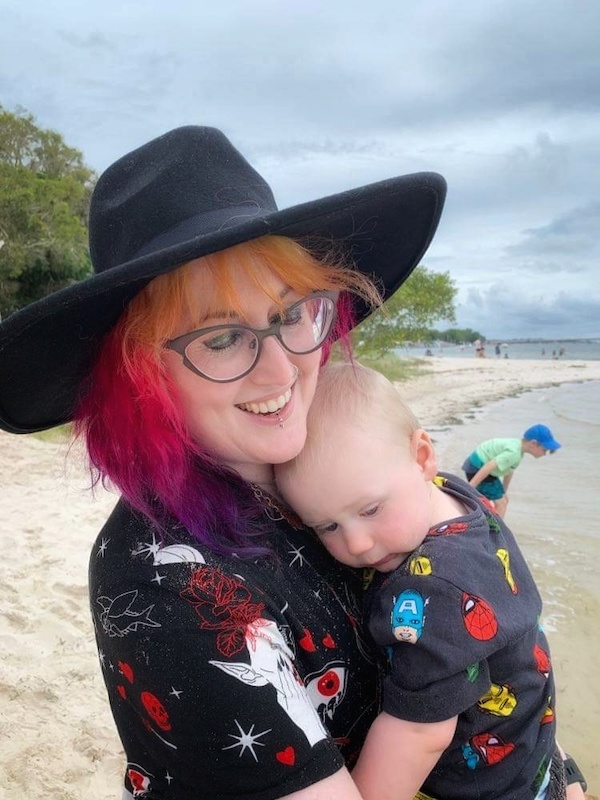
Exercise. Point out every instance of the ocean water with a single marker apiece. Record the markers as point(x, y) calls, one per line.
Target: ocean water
point(554, 500)
point(588, 349)
point(554, 514)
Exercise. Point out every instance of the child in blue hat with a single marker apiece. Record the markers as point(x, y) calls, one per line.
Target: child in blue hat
point(490, 467)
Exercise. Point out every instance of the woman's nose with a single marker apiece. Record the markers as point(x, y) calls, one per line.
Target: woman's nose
point(273, 365)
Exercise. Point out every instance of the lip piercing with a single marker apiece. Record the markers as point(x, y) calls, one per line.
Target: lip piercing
point(294, 376)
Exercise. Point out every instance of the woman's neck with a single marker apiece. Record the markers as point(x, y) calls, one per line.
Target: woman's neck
point(260, 475)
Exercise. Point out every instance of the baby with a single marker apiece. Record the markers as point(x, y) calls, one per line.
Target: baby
point(468, 705)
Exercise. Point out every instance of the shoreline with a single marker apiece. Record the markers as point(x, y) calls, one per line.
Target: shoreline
point(452, 387)
point(55, 720)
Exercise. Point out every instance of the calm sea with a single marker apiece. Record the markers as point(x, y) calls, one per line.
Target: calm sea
point(554, 500)
point(588, 349)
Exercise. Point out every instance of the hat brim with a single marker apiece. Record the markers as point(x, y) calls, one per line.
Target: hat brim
point(47, 348)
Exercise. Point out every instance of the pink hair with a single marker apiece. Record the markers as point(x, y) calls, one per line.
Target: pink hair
point(133, 423)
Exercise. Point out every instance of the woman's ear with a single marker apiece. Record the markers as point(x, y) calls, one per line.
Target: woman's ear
point(423, 452)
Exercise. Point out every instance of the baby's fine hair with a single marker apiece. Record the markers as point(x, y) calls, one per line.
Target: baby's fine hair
point(349, 394)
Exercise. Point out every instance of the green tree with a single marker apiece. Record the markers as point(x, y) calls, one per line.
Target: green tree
point(45, 190)
point(457, 335)
point(426, 297)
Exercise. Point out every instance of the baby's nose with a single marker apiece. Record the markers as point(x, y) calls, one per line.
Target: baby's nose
point(358, 542)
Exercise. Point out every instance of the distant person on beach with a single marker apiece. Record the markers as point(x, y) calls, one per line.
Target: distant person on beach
point(491, 466)
point(479, 348)
point(469, 697)
point(497, 350)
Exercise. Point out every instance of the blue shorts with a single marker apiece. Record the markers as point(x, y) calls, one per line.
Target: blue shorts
point(490, 487)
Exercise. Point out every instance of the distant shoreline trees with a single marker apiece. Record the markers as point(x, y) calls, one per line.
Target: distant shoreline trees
point(456, 336)
point(45, 190)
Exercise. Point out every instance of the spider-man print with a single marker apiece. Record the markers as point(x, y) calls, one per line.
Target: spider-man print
point(478, 617)
point(491, 747)
point(542, 660)
point(449, 528)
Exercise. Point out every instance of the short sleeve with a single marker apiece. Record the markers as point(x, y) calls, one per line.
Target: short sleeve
point(438, 639)
point(508, 460)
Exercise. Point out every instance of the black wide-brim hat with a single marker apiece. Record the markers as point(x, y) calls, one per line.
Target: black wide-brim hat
point(184, 195)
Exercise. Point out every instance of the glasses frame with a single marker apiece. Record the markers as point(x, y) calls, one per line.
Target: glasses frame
point(180, 343)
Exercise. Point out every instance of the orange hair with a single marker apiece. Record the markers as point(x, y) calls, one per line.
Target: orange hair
point(155, 313)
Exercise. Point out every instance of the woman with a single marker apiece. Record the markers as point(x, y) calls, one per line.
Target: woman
point(229, 641)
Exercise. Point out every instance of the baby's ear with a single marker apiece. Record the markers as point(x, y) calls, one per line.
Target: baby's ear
point(424, 453)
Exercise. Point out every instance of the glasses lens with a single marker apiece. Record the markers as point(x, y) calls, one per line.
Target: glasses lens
point(227, 352)
point(223, 354)
point(306, 325)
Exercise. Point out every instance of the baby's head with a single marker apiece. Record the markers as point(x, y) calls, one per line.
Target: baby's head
point(363, 479)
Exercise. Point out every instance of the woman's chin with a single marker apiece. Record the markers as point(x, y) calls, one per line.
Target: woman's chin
point(288, 448)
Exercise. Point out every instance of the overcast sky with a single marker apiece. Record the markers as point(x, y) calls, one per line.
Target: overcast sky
point(500, 96)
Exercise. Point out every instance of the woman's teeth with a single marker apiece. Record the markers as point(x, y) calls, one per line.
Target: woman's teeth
point(269, 407)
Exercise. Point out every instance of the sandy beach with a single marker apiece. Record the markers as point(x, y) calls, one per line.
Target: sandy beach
point(57, 734)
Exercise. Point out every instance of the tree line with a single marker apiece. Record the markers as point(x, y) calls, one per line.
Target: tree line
point(45, 190)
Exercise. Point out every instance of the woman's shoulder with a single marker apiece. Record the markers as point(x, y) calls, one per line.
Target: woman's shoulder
point(130, 547)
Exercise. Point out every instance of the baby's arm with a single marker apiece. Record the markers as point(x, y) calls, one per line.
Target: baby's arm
point(399, 755)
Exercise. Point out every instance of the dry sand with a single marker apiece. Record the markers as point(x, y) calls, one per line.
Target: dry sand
point(57, 736)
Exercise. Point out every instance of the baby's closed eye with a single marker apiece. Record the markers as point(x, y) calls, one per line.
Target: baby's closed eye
point(321, 530)
point(371, 511)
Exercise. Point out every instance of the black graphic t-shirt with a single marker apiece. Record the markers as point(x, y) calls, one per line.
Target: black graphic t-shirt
point(460, 620)
point(227, 677)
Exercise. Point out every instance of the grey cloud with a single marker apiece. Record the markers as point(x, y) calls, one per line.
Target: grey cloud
point(574, 233)
point(500, 96)
point(505, 312)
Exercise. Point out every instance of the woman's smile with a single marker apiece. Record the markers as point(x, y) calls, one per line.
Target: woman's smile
point(268, 407)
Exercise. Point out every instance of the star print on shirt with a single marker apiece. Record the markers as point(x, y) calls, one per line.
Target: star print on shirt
point(147, 548)
point(297, 553)
point(246, 741)
point(102, 549)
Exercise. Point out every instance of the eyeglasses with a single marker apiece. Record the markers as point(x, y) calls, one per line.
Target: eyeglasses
point(225, 353)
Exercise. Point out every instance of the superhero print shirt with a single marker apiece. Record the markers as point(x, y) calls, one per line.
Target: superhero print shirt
point(459, 620)
point(227, 677)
